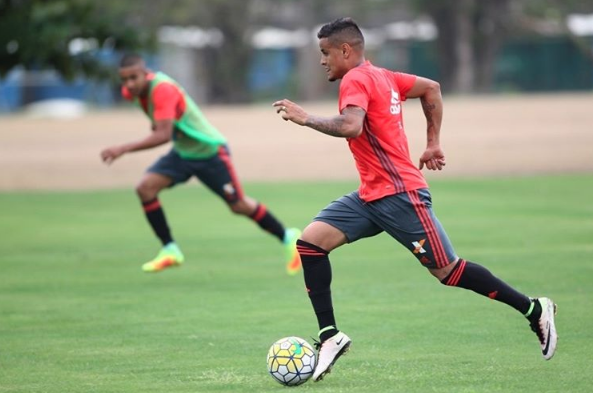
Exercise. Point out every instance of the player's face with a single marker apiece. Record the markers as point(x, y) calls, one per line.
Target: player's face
point(134, 79)
point(333, 60)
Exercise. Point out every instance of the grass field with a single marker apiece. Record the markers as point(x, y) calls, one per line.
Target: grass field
point(78, 315)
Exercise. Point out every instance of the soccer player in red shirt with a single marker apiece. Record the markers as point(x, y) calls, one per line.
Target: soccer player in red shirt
point(199, 150)
point(393, 195)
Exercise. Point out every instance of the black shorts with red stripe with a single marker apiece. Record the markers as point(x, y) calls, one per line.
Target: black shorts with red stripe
point(216, 172)
point(406, 216)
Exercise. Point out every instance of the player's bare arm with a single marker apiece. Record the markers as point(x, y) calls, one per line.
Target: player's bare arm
point(429, 93)
point(346, 125)
point(162, 132)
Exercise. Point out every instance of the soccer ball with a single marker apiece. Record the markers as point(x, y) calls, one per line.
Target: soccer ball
point(291, 361)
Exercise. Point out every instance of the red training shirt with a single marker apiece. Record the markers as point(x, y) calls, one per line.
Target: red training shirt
point(381, 151)
point(168, 101)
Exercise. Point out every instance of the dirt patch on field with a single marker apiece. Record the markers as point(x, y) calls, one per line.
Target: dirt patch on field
point(481, 136)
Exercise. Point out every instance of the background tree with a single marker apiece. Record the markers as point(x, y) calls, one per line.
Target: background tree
point(37, 34)
point(226, 66)
point(472, 32)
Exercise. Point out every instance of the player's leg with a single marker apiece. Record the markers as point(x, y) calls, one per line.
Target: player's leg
point(466, 274)
point(318, 276)
point(164, 173)
point(260, 214)
point(246, 206)
point(341, 222)
point(219, 175)
point(148, 190)
point(540, 312)
point(422, 233)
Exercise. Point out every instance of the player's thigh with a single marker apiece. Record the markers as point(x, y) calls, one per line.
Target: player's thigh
point(151, 184)
point(170, 166)
point(408, 217)
point(154, 181)
point(218, 174)
point(348, 216)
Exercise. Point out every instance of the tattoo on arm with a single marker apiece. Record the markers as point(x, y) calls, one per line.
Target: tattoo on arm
point(428, 108)
point(334, 126)
point(329, 126)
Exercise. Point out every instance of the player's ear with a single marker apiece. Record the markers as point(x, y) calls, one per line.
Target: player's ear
point(346, 50)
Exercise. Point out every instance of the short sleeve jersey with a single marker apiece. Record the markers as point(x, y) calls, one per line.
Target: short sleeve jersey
point(381, 151)
point(168, 104)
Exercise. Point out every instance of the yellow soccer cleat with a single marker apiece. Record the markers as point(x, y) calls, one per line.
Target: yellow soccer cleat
point(293, 259)
point(169, 256)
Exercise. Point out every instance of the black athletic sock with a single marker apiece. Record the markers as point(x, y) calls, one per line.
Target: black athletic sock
point(477, 278)
point(318, 277)
point(534, 313)
point(158, 222)
point(267, 221)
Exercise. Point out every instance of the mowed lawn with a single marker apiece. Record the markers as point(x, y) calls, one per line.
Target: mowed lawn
point(78, 315)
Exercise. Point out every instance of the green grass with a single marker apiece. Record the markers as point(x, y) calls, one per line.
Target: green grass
point(78, 315)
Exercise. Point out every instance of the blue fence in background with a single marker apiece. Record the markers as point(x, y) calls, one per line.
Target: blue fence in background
point(551, 64)
point(22, 87)
point(11, 92)
point(272, 73)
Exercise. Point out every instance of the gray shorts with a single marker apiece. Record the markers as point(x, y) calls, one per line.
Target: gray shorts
point(407, 217)
point(216, 173)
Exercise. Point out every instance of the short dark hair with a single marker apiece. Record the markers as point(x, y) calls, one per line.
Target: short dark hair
point(130, 59)
point(342, 30)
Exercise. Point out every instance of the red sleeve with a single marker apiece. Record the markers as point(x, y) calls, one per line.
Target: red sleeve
point(167, 99)
point(353, 91)
point(404, 82)
point(125, 93)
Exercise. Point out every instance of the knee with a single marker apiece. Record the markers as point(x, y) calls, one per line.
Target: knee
point(239, 208)
point(234, 208)
point(442, 273)
point(324, 236)
point(146, 192)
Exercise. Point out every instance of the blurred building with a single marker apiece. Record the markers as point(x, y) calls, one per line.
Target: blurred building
point(286, 63)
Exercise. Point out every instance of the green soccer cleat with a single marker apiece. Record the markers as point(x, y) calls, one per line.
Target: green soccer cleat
point(293, 259)
point(169, 256)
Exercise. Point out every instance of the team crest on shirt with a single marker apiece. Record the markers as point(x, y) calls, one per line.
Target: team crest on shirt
point(396, 106)
point(418, 249)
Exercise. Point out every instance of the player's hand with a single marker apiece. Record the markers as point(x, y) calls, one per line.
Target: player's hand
point(291, 111)
point(433, 158)
point(111, 154)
